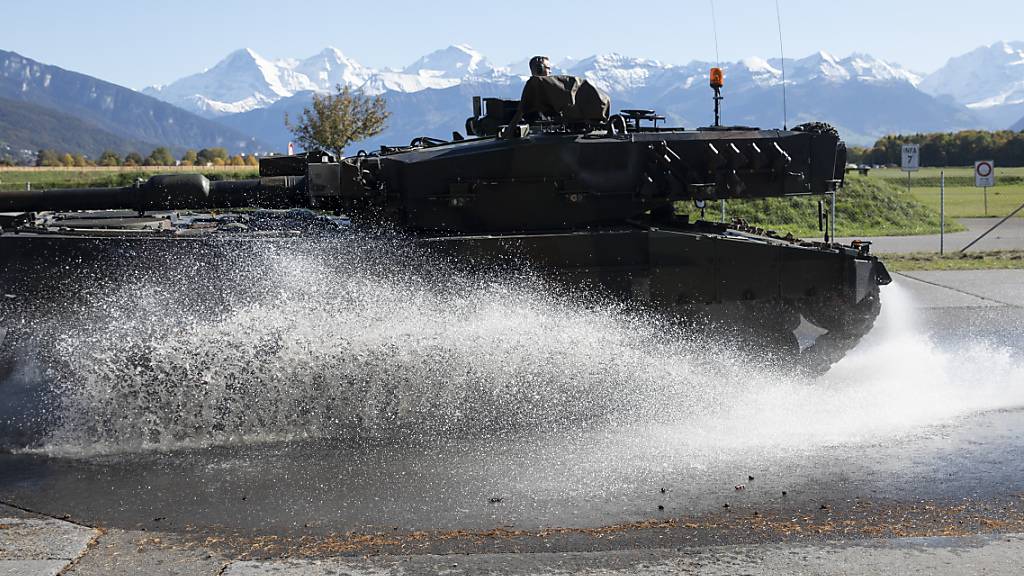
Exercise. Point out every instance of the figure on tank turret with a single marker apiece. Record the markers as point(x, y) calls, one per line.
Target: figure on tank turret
point(561, 98)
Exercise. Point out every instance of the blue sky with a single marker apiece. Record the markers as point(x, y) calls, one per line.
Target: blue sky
point(137, 43)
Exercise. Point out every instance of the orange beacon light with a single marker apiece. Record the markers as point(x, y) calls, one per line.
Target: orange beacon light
point(717, 78)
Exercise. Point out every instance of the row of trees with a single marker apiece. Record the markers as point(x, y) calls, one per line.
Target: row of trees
point(160, 156)
point(1006, 147)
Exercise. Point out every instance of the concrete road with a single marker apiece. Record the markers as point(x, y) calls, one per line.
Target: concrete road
point(1009, 236)
point(906, 456)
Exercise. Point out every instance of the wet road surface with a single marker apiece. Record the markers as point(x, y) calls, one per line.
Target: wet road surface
point(930, 448)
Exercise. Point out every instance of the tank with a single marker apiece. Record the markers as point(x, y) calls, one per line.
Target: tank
point(555, 180)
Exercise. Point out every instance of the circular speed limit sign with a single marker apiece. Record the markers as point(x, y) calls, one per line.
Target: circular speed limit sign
point(984, 174)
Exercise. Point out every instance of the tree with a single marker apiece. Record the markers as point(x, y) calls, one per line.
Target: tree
point(109, 158)
point(251, 160)
point(210, 155)
point(67, 159)
point(80, 160)
point(133, 159)
point(237, 161)
point(336, 120)
point(190, 158)
point(160, 157)
point(47, 158)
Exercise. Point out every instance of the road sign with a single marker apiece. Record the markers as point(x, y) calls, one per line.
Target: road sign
point(911, 157)
point(984, 174)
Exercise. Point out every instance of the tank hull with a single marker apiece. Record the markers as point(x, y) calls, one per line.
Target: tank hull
point(753, 288)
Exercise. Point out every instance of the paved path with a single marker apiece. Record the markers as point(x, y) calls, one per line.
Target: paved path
point(33, 545)
point(1009, 236)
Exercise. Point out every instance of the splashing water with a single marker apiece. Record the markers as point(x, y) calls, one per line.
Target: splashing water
point(897, 380)
point(348, 339)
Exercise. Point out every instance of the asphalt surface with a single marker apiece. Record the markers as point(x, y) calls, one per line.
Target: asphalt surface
point(906, 456)
point(1008, 236)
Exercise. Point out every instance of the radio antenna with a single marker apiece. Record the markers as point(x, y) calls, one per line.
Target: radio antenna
point(714, 27)
point(782, 55)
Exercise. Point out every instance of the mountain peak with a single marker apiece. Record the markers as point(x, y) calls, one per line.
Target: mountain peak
point(243, 57)
point(332, 52)
point(331, 67)
point(826, 57)
point(756, 64)
point(241, 54)
point(464, 48)
point(454, 61)
point(1004, 47)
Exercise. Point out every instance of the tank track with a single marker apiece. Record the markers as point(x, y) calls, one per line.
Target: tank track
point(846, 326)
point(766, 331)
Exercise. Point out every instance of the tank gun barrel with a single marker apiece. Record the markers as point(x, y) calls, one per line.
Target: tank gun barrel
point(164, 192)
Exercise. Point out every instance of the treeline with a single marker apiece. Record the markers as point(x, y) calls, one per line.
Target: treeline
point(160, 156)
point(1006, 147)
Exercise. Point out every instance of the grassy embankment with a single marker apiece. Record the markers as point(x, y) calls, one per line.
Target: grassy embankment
point(864, 207)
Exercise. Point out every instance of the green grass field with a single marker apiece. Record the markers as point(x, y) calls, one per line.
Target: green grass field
point(963, 200)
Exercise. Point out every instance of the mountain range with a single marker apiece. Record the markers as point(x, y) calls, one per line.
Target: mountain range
point(241, 101)
point(988, 80)
point(865, 97)
point(44, 106)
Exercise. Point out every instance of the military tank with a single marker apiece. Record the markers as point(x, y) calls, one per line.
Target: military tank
point(553, 180)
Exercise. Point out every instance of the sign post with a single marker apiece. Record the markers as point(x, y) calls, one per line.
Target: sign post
point(910, 160)
point(985, 177)
point(942, 212)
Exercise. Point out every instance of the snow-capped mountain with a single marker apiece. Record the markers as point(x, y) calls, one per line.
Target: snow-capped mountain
point(618, 74)
point(989, 80)
point(242, 81)
point(330, 68)
point(856, 67)
point(821, 87)
point(456, 61)
point(245, 81)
